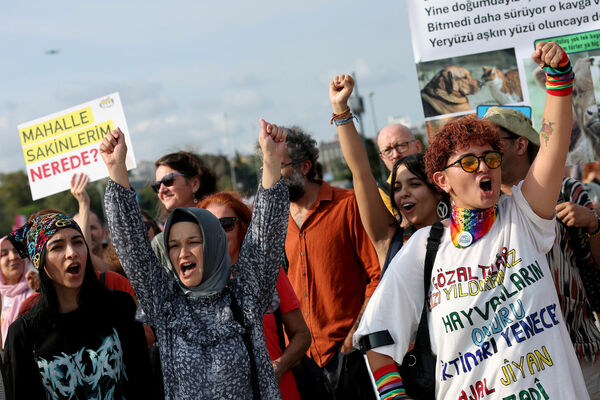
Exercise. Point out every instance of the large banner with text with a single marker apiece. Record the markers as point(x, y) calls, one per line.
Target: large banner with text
point(58, 145)
point(477, 52)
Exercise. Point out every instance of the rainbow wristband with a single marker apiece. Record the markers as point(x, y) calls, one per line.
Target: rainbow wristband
point(389, 383)
point(559, 80)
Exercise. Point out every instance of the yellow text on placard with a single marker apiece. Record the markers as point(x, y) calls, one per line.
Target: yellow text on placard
point(66, 143)
point(56, 127)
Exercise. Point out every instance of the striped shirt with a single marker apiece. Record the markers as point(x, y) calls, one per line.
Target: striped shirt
point(572, 264)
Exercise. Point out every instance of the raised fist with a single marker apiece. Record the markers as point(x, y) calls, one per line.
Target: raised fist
point(340, 89)
point(548, 54)
point(113, 149)
point(272, 139)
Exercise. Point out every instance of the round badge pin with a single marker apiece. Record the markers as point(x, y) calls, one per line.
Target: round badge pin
point(465, 239)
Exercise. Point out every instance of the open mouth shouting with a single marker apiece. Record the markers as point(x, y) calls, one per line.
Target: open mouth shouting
point(408, 207)
point(74, 270)
point(485, 184)
point(186, 270)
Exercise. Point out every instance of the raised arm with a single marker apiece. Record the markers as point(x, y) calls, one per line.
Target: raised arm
point(79, 183)
point(256, 271)
point(543, 181)
point(379, 224)
point(127, 228)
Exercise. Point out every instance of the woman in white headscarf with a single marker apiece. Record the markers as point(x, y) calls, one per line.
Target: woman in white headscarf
point(206, 313)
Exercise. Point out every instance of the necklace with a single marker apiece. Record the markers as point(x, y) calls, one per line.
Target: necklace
point(468, 225)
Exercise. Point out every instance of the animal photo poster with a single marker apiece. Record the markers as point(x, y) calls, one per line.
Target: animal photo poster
point(460, 84)
point(477, 52)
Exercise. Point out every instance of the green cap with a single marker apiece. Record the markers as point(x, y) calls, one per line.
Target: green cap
point(513, 121)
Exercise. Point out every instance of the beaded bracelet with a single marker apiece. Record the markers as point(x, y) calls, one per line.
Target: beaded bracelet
point(342, 118)
point(559, 80)
point(343, 115)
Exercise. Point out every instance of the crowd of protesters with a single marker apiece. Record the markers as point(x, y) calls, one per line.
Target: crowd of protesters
point(313, 291)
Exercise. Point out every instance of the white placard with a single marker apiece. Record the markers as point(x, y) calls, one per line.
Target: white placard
point(66, 142)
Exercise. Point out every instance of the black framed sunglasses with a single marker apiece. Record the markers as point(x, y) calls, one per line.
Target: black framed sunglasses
point(470, 162)
point(166, 180)
point(228, 223)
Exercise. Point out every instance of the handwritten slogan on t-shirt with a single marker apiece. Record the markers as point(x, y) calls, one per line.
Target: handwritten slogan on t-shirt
point(498, 323)
point(58, 145)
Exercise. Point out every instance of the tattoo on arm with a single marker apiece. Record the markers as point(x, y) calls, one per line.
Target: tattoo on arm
point(547, 130)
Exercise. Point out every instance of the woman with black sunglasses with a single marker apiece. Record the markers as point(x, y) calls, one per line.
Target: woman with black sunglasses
point(182, 180)
point(235, 217)
point(207, 313)
point(493, 313)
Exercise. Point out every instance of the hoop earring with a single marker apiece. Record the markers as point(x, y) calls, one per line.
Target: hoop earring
point(195, 200)
point(442, 209)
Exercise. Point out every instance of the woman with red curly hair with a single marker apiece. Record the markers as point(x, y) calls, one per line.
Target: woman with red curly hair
point(493, 315)
point(235, 217)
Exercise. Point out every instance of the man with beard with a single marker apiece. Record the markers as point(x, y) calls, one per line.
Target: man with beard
point(333, 266)
point(576, 249)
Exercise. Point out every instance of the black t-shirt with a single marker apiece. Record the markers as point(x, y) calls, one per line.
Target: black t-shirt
point(87, 353)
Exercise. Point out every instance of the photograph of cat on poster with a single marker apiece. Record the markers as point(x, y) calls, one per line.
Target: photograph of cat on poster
point(585, 135)
point(460, 84)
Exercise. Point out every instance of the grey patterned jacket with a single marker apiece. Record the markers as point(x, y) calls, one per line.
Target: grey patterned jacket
point(202, 352)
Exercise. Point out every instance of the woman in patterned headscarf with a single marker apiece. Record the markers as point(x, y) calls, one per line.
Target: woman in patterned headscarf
point(80, 340)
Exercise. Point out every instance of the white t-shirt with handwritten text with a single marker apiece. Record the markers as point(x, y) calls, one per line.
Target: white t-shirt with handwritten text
point(495, 322)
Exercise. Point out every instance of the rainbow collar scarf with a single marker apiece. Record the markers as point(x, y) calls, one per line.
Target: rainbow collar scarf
point(468, 225)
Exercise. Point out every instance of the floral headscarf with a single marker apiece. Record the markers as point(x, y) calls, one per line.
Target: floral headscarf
point(30, 239)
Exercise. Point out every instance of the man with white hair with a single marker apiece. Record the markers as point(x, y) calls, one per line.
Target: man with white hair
point(394, 141)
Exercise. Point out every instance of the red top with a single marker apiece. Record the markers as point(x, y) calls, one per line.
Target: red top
point(287, 302)
point(333, 268)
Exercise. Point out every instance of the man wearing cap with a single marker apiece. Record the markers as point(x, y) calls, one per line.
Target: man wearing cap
point(394, 141)
point(577, 242)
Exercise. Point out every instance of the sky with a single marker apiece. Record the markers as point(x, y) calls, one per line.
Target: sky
point(198, 75)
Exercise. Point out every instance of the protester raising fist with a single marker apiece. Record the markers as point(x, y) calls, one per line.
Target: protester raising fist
point(113, 150)
point(340, 89)
point(206, 313)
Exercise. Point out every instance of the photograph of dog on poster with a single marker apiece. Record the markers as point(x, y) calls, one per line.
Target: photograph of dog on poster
point(460, 84)
point(585, 135)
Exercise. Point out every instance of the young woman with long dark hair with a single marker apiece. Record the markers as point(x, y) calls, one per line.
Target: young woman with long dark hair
point(80, 340)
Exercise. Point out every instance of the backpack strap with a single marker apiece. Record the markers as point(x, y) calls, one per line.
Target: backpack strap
point(433, 243)
point(238, 316)
point(395, 246)
point(375, 339)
